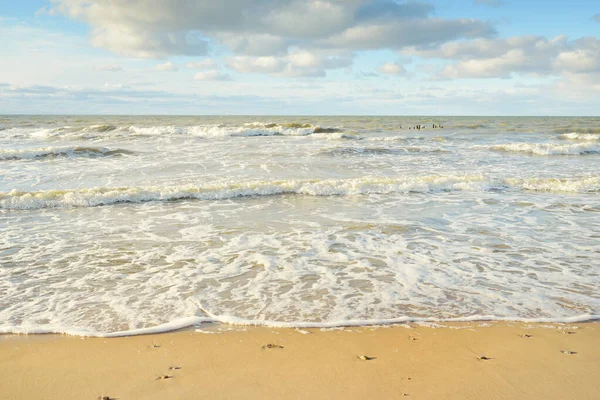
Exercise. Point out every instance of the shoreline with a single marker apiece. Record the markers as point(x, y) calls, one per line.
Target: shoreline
point(191, 323)
point(521, 360)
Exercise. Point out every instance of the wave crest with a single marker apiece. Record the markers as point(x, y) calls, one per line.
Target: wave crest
point(104, 196)
point(207, 131)
point(52, 152)
point(580, 136)
point(544, 149)
point(19, 200)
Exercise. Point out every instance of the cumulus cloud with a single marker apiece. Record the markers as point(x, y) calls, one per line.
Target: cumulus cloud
point(390, 68)
point(258, 29)
point(501, 58)
point(298, 63)
point(211, 75)
point(168, 66)
point(411, 32)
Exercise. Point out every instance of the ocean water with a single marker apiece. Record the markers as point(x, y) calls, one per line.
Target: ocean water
point(123, 225)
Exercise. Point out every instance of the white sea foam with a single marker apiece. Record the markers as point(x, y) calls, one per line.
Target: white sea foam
point(571, 185)
point(544, 149)
point(344, 221)
point(187, 322)
point(581, 136)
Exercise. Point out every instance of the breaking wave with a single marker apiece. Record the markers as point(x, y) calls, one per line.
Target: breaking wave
point(52, 152)
point(544, 149)
point(208, 131)
point(580, 136)
point(20, 200)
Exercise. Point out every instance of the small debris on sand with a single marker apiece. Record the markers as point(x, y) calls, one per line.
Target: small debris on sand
point(174, 367)
point(526, 336)
point(366, 358)
point(569, 333)
point(410, 337)
point(568, 352)
point(106, 398)
point(163, 377)
point(272, 346)
point(484, 358)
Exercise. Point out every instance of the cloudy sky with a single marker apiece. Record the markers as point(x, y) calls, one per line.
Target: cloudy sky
point(370, 57)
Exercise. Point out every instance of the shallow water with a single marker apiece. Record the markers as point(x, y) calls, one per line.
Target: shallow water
point(121, 223)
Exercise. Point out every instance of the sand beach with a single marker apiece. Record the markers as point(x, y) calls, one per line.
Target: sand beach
point(520, 361)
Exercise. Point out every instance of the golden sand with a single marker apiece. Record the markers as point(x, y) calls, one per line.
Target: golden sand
point(458, 361)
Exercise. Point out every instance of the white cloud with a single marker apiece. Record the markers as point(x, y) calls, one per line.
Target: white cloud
point(298, 63)
point(111, 68)
point(392, 69)
point(168, 66)
point(211, 75)
point(410, 32)
point(207, 63)
point(502, 58)
point(113, 86)
point(266, 36)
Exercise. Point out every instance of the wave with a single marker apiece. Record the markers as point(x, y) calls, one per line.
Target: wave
point(377, 151)
point(20, 200)
point(580, 136)
point(51, 152)
point(573, 185)
point(196, 321)
point(103, 128)
point(207, 131)
point(544, 149)
point(391, 138)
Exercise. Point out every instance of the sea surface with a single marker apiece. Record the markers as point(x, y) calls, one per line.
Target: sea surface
point(119, 225)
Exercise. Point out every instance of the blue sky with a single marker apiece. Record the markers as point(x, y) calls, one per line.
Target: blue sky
point(369, 57)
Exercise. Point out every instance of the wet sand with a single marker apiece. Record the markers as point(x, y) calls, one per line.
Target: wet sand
point(410, 361)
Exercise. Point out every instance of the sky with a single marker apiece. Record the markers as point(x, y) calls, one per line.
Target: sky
point(300, 57)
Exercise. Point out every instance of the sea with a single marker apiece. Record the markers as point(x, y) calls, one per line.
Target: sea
point(122, 225)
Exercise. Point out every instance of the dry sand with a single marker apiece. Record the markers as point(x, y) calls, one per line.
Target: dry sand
point(416, 363)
